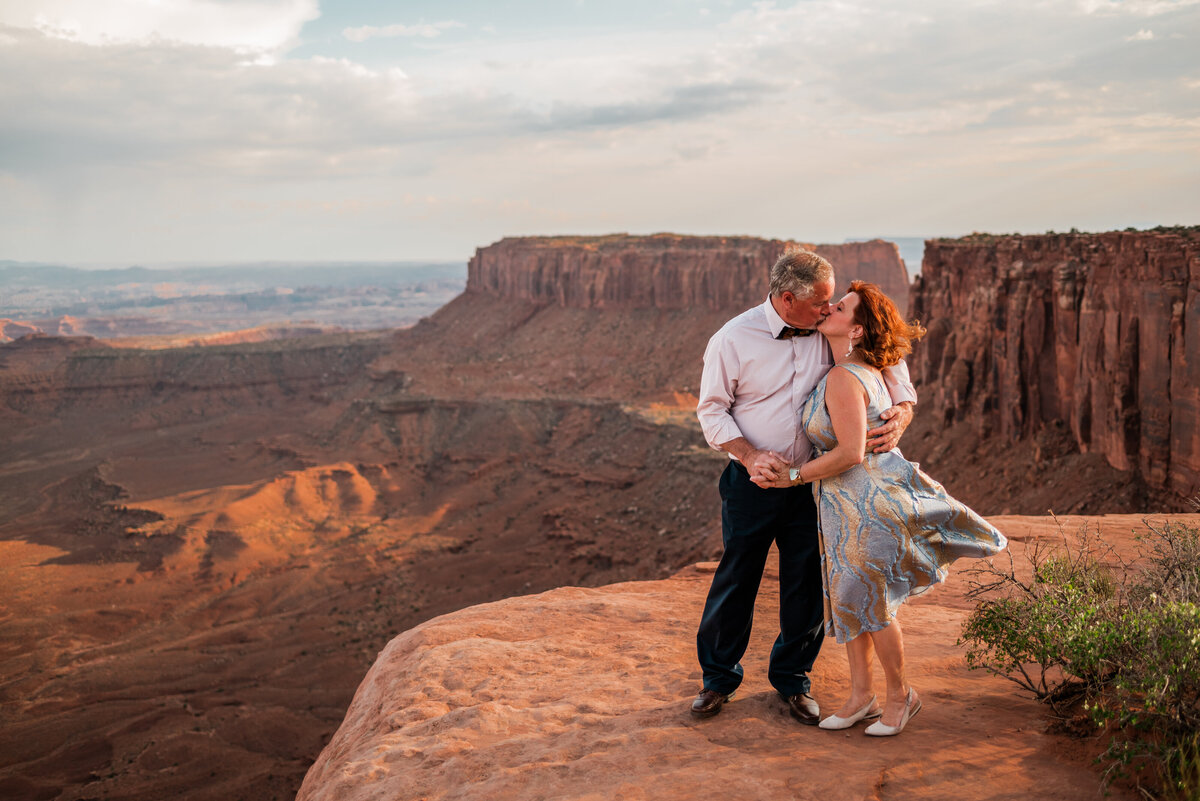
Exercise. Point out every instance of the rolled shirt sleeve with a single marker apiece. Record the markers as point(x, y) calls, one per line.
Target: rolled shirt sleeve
point(718, 387)
point(899, 385)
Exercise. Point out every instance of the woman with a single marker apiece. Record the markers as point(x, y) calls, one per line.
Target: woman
point(888, 531)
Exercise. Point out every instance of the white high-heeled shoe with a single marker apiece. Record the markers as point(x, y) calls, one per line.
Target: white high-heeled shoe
point(866, 713)
point(912, 705)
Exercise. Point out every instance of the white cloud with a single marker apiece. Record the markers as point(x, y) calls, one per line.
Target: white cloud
point(864, 68)
point(1144, 35)
point(1134, 8)
point(247, 25)
point(147, 105)
point(424, 30)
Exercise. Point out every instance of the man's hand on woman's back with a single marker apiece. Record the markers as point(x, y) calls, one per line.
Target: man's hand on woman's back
point(887, 436)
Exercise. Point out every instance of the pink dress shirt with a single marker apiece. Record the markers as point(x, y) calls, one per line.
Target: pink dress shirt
point(755, 385)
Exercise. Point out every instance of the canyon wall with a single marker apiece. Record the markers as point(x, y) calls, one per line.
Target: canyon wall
point(1099, 331)
point(663, 271)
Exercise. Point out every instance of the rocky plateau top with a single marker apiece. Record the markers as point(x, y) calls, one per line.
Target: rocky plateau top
point(663, 271)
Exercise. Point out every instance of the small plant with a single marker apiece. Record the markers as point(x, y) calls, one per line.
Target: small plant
point(1183, 769)
point(1038, 632)
point(1088, 630)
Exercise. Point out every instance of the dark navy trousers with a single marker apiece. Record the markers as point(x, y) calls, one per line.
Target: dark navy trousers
point(751, 519)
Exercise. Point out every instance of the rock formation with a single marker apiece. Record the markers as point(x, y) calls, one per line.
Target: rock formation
point(663, 271)
point(15, 329)
point(1100, 331)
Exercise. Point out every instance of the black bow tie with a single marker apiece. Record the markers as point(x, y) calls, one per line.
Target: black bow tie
point(788, 332)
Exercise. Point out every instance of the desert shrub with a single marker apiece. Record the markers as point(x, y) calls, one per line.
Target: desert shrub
point(1121, 640)
point(1046, 633)
point(1173, 570)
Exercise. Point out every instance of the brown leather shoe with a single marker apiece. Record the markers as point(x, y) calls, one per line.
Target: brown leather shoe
point(709, 703)
point(804, 709)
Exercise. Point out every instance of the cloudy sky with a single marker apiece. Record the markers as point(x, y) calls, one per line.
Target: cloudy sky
point(193, 130)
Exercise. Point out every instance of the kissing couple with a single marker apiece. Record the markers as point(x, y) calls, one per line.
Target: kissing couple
point(809, 395)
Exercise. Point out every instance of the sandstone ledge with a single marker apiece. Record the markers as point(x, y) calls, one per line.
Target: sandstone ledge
point(583, 694)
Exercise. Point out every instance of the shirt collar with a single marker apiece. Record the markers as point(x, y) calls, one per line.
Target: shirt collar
point(774, 322)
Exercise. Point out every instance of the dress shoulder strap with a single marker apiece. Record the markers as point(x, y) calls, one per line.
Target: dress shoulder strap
point(870, 378)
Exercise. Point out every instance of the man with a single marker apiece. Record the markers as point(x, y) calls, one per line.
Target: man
point(758, 371)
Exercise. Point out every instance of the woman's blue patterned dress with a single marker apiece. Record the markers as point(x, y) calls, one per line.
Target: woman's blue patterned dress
point(888, 531)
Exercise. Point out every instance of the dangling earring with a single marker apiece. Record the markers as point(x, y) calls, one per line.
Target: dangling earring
point(850, 350)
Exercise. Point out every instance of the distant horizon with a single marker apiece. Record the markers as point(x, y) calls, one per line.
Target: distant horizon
point(909, 253)
point(118, 264)
point(905, 244)
point(216, 264)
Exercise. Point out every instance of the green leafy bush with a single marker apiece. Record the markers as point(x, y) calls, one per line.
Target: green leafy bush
point(1121, 640)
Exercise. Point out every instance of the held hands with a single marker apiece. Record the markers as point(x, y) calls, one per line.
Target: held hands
point(766, 468)
point(781, 482)
point(887, 436)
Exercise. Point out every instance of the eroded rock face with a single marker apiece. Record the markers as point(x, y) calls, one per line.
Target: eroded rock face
point(1101, 331)
point(664, 271)
point(15, 329)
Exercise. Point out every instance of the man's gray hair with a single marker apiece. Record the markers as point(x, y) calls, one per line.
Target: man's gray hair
point(798, 271)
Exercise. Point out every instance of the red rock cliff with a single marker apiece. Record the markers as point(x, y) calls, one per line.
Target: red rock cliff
point(876, 261)
point(663, 271)
point(1100, 331)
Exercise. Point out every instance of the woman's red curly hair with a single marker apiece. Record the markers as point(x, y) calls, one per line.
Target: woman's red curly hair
point(886, 337)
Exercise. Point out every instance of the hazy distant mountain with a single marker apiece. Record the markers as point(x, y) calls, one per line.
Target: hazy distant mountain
point(261, 275)
point(215, 298)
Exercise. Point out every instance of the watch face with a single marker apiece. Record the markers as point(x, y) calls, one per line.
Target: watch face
point(794, 473)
